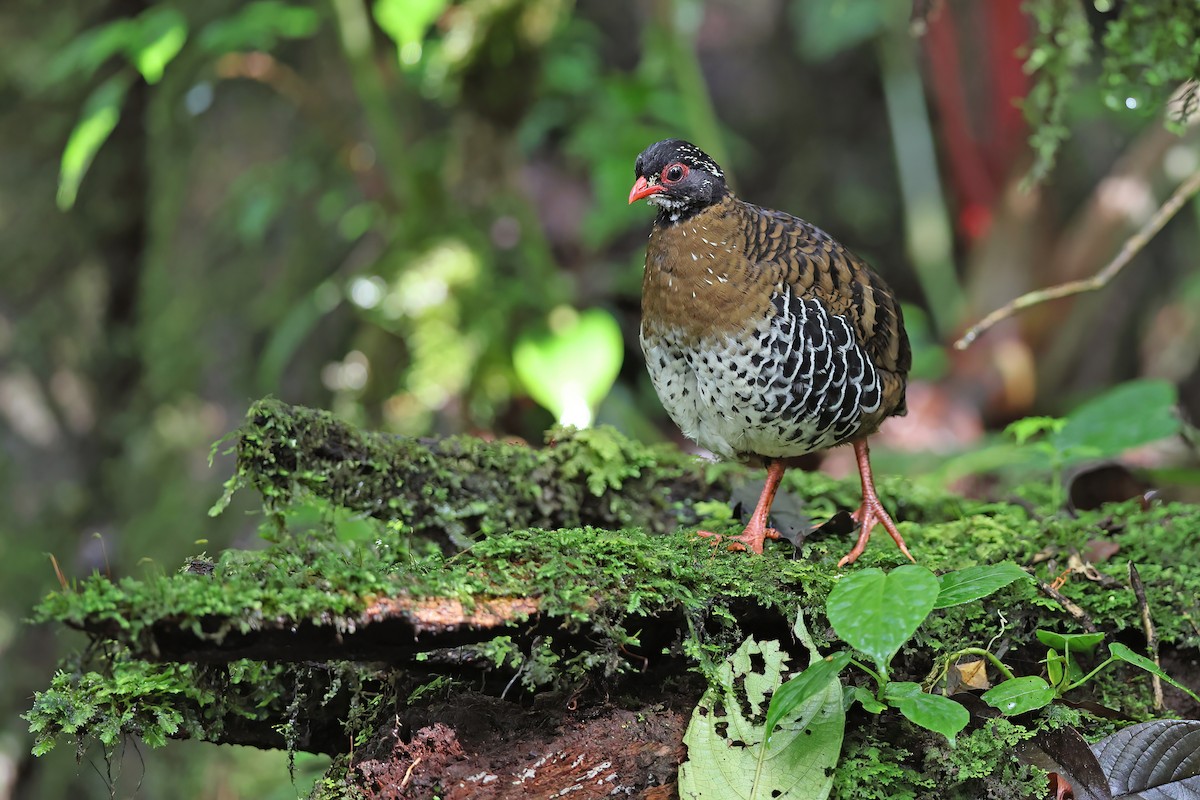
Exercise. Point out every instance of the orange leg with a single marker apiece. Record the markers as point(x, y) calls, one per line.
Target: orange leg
point(871, 511)
point(757, 531)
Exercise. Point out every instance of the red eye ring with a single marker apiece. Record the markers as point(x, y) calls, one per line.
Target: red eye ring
point(674, 173)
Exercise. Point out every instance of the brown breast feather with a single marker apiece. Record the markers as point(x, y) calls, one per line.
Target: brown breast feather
point(711, 273)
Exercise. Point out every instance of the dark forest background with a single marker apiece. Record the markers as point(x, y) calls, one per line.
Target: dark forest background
point(413, 212)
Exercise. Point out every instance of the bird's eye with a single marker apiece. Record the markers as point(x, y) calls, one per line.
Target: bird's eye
point(674, 173)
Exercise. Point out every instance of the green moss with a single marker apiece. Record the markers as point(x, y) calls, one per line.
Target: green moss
point(875, 768)
point(458, 489)
point(357, 517)
point(150, 701)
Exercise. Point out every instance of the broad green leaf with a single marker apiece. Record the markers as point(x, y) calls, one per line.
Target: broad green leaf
point(258, 26)
point(1123, 653)
point(797, 691)
point(895, 691)
point(1069, 642)
point(974, 583)
point(936, 713)
point(160, 34)
point(1129, 415)
point(876, 612)
point(1018, 695)
point(569, 369)
point(100, 115)
point(728, 758)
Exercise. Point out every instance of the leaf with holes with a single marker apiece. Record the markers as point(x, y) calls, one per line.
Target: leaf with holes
point(728, 757)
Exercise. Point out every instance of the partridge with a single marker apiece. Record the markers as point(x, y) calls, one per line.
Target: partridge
point(765, 338)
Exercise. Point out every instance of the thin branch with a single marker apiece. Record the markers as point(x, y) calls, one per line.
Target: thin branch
point(1139, 591)
point(1071, 608)
point(1133, 245)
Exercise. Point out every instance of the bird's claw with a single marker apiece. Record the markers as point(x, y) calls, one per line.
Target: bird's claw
point(870, 513)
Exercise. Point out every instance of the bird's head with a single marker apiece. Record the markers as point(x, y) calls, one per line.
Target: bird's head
point(678, 177)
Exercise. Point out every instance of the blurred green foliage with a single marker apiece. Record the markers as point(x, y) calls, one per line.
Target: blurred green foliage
point(1151, 51)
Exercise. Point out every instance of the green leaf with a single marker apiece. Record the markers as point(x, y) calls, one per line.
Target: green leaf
point(799, 690)
point(728, 758)
point(569, 369)
point(827, 27)
point(158, 37)
point(867, 700)
point(1123, 653)
point(974, 583)
point(896, 691)
point(1129, 415)
point(1029, 427)
point(85, 53)
point(936, 713)
point(1018, 695)
point(1069, 642)
point(259, 26)
point(1056, 667)
point(406, 22)
point(876, 613)
point(101, 112)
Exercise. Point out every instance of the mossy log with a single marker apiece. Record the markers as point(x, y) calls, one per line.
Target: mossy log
point(540, 601)
point(454, 490)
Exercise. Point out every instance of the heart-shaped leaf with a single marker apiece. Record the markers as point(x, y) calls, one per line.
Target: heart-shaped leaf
point(974, 583)
point(570, 368)
point(1158, 760)
point(407, 21)
point(876, 612)
point(1018, 695)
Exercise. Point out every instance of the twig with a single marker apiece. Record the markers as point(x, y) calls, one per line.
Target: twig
point(62, 579)
point(409, 772)
point(1133, 245)
point(1075, 611)
point(1139, 591)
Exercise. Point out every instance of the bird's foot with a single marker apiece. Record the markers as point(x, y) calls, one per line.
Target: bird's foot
point(867, 516)
point(751, 539)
